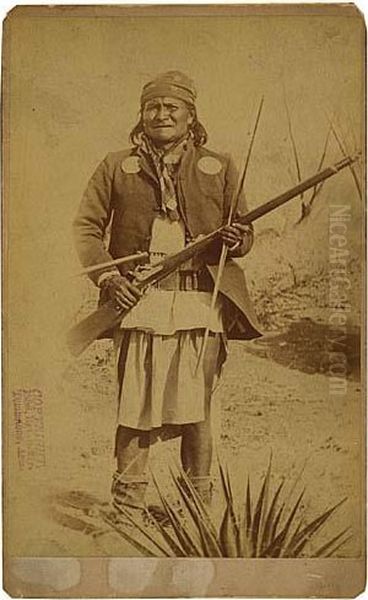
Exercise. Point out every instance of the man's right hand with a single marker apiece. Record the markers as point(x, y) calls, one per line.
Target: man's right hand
point(121, 291)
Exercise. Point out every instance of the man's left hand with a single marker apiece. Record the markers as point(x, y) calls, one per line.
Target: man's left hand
point(237, 235)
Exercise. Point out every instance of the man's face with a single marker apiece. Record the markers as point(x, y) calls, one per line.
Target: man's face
point(166, 120)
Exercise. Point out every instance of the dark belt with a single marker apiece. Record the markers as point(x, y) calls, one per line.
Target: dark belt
point(186, 281)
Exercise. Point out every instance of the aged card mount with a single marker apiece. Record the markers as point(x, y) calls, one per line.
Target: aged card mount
point(280, 89)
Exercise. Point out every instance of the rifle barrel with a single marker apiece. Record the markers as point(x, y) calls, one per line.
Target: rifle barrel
point(105, 317)
point(171, 262)
point(303, 186)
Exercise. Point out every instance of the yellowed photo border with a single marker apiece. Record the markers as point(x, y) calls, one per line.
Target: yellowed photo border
point(54, 134)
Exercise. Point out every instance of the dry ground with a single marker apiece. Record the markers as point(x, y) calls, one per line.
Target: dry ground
point(273, 396)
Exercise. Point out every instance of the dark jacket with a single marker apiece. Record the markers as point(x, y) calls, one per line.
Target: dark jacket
point(123, 198)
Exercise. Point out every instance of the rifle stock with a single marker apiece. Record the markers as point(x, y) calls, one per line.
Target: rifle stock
point(92, 327)
point(81, 335)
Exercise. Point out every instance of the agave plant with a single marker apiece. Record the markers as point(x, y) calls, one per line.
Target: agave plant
point(268, 526)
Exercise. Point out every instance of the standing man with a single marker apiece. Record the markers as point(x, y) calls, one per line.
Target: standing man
point(163, 192)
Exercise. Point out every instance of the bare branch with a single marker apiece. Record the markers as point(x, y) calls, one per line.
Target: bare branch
point(317, 189)
point(344, 152)
point(307, 206)
point(293, 143)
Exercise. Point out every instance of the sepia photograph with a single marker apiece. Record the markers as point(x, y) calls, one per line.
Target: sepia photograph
point(184, 300)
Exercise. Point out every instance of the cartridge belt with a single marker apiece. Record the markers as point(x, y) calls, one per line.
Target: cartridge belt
point(186, 281)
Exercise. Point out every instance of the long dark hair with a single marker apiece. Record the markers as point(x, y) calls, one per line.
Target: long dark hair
point(197, 130)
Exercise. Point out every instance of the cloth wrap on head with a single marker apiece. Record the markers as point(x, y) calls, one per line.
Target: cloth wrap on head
point(172, 84)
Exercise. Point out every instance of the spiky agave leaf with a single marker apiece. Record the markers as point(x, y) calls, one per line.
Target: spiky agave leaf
point(210, 547)
point(228, 484)
point(226, 533)
point(200, 510)
point(230, 528)
point(277, 521)
point(336, 548)
point(299, 540)
point(324, 550)
point(294, 482)
point(274, 549)
point(258, 517)
point(186, 485)
point(299, 526)
point(248, 508)
point(188, 544)
point(270, 520)
point(279, 530)
point(248, 523)
point(204, 527)
point(142, 549)
point(225, 488)
point(264, 508)
point(145, 532)
point(245, 524)
point(176, 548)
point(288, 504)
point(229, 535)
point(228, 493)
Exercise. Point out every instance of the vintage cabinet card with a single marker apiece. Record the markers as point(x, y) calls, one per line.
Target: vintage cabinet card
point(184, 314)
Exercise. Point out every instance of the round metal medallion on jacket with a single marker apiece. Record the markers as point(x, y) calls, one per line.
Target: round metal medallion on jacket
point(209, 165)
point(131, 164)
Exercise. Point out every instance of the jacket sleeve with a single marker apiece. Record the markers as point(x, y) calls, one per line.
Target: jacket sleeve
point(93, 218)
point(231, 188)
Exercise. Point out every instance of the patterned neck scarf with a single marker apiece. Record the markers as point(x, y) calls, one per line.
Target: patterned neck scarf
point(166, 165)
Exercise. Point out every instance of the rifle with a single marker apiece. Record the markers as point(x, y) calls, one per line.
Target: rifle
point(107, 316)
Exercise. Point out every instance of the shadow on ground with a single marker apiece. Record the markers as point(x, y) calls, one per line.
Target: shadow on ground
point(78, 510)
point(309, 346)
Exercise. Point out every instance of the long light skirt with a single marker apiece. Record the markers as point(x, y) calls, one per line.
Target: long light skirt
point(157, 383)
